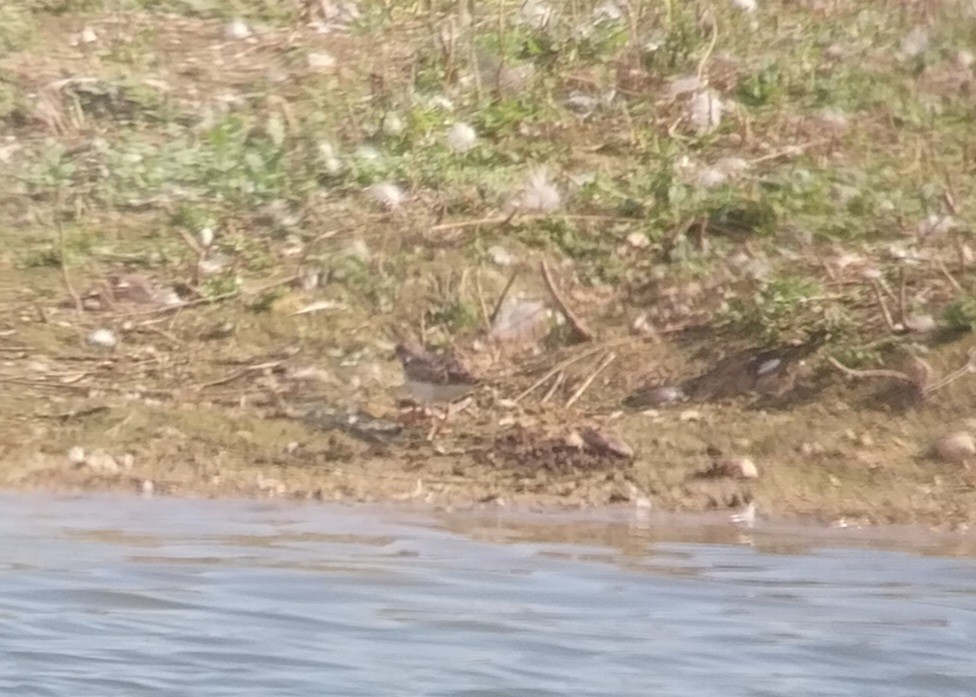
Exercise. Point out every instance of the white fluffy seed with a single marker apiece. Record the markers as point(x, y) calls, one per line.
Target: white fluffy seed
point(461, 137)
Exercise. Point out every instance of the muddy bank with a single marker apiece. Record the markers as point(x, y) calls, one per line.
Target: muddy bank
point(185, 423)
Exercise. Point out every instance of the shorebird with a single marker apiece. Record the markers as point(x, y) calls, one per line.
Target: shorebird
point(762, 371)
point(434, 378)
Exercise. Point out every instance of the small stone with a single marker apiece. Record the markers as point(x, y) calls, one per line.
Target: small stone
point(737, 467)
point(102, 463)
point(88, 36)
point(690, 415)
point(76, 456)
point(321, 62)
point(574, 440)
point(638, 240)
point(237, 29)
point(920, 324)
point(147, 487)
point(392, 124)
point(102, 338)
point(500, 256)
point(954, 448)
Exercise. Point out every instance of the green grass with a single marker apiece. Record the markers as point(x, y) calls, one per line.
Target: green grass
point(210, 133)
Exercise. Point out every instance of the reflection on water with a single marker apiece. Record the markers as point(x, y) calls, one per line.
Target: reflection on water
point(114, 596)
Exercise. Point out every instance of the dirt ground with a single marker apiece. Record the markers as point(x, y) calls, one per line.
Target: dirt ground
point(186, 422)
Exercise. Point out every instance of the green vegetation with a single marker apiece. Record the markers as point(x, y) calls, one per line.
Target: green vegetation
point(819, 142)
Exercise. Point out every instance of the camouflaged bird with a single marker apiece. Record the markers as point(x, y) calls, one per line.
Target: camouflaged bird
point(433, 378)
point(761, 371)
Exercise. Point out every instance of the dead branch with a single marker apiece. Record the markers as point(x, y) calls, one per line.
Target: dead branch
point(501, 298)
point(885, 313)
point(570, 316)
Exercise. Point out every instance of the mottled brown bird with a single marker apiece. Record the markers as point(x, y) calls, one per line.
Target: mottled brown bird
point(434, 378)
point(762, 371)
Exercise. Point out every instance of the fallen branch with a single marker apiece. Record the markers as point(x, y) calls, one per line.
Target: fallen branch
point(570, 316)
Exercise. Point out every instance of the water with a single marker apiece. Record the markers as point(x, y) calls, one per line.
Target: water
point(113, 596)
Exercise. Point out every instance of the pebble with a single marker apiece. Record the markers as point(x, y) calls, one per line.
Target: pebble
point(102, 338)
point(237, 29)
point(954, 448)
point(102, 462)
point(739, 467)
point(76, 456)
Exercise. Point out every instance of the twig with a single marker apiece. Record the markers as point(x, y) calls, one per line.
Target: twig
point(74, 413)
point(949, 276)
point(501, 299)
point(708, 51)
point(787, 152)
point(574, 321)
point(560, 379)
point(968, 367)
point(880, 373)
point(570, 361)
point(902, 304)
point(503, 219)
point(885, 313)
point(481, 301)
point(62, 251)
point(239, 374)
point(607, 360)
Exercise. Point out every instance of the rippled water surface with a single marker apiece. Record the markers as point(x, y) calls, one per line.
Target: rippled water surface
point(115, 596)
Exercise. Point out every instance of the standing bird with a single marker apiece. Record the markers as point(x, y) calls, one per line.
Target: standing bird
point(762, 371)
point(434, 378)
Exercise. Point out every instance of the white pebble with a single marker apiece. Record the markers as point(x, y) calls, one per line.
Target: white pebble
point(500, 256)
point(76, 456)
point(237, 29)
point(915, 42)
point(103, 338)
point(321, 62)
point(745, 5)
point(102, 462)
point(954, 448)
